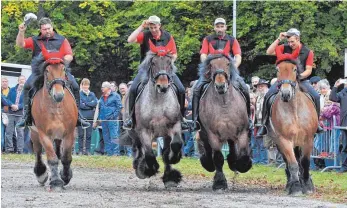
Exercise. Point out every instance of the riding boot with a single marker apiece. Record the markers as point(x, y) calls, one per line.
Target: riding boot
point(195, 110)
point(265, 118)
point(182, 99)
point(80, 120)
point(27, 119)
point(128, 122)
point(317, 104)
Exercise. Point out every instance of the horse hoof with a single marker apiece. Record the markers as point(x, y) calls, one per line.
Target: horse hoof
point(170, 184)
point(307, 186)
point(243, 164)
point(231, 162)
point(219, 182)
point(207, 163)
point(173, 176)
point(295, 188)
point(42, 179)
point(56, 185)
point(66, 178)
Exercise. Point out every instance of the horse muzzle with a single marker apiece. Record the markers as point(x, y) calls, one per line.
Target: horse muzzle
point(221, 88)
point(286, 94)
point(57, 96)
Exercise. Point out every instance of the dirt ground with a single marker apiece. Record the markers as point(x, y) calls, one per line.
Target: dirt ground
point(119, 188)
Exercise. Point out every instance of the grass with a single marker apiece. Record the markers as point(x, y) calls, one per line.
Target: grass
point(330, 186)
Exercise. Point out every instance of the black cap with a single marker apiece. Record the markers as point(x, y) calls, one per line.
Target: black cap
point(314, 79)
point(262, 81)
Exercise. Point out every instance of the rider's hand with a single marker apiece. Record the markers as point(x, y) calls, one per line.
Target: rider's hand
point(145, 24)
point(282, 35)
point(14, 107)
point(22, 27)
point(337, 83)
point(95, 125)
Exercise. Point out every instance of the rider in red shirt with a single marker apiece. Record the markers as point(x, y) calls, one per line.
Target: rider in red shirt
point(219, 43)
point(52, 41)
point(159, 38)
point(293, 50)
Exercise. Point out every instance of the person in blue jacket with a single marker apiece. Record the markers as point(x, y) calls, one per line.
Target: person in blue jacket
point(88, 102)
point(110, 105)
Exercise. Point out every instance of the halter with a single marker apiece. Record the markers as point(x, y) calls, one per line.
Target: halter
point(50, 83)
point(161, 72)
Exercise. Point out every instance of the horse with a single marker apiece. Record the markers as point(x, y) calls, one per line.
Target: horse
point(157, 114)
point(55, 117)
point(293, 123)
point(223, 118)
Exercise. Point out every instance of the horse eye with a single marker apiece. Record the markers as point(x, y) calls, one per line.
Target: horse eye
point(294, 69)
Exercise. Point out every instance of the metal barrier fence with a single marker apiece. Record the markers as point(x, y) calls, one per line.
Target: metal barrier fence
point(326, 144)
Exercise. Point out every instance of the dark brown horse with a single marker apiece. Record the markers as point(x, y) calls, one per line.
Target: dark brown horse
point(293, 124)
point(55, 115)
point(223, 117)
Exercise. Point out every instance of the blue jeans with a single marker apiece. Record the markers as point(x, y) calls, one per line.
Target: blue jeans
point(27, 141)
point(2, 136)
point(110, 133)
point(189, 147)
point(259, 151)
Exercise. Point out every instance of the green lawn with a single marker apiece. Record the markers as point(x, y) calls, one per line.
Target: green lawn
point(330, 186)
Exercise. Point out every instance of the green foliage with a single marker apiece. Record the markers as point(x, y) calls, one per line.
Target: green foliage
point(98, 31)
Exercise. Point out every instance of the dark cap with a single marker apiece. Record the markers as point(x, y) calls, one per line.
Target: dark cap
point(262, 81)
point(314, 79)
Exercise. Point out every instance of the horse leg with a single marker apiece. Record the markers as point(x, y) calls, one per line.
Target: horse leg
point(286, 147)
point(206, 158)
point(306, 180)
point(57, 148)
point(232, 156)
point(244, 161)
point(66, 159)
point(147, 164)
point(176, 144)
point(40, 168)
point(286, 169)
point(219, 180)
point(52, 160)
point(171, 177)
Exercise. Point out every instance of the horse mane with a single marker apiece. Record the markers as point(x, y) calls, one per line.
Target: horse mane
point(203, 67)
point(146, 64)
point(38, 63)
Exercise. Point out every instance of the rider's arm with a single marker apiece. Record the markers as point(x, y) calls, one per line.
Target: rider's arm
point(334, 96)
point(66, 47)
point(20, 36)
point(272, 47)
point(308, 68)
point(237, 53)
point(204, 50)
point(133, 37)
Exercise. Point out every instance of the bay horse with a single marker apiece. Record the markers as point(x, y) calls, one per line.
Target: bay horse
point(55, 115)
point(293, 123)
point(157, 114)
point(223, 118)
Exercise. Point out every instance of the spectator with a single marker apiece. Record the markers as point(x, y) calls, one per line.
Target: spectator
point(88, 102)
point(4, 108)
point(188, 135)
point(254, 81)
point(341, 97)
point(314, 80)
point(323, 87)
point(110, 106)
point(15, 114)
point(123, 89)
point(259, 151)
point(114, 87)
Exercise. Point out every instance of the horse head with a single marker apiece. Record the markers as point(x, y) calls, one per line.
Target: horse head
point(162, 69)
point(219, 67)
point(286, 78)
point(54, 73)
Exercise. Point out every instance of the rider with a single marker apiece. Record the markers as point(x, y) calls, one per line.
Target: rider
point(51, 41)
point(158, 37)
point(305, 56)
point(219, 43)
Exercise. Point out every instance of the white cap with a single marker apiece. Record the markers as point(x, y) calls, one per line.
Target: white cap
point(293, 31)
point(154, 20)
point(219, 20)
